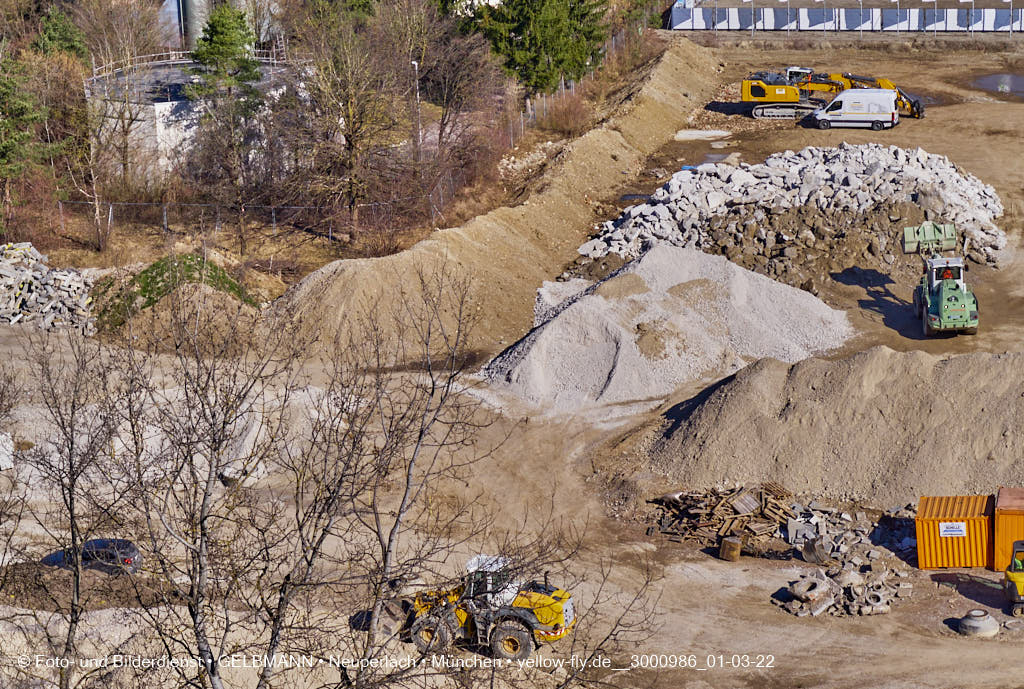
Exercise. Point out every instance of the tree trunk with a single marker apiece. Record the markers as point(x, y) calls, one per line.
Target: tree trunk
point(75, 613)
point(8, 206)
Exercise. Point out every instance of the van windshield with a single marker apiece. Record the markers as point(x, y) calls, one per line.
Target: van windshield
point(834, 106)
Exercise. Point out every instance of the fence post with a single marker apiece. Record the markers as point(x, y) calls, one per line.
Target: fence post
point(216, 224)
point(110, 216)
point(60, 209)
point(273, 222)
point(165, 218)
point(330, 230)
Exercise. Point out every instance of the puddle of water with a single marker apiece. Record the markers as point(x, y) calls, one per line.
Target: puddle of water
point(1002, 84)
point(714, 158)
point(634, 197)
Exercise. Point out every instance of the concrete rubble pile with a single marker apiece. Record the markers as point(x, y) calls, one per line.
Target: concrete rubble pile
point(30, 291)
point(767, 215)
point(859, 574)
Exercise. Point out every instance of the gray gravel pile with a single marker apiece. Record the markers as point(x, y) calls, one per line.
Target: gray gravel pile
point(823, 193)
point(672, 317)
point(31, 291)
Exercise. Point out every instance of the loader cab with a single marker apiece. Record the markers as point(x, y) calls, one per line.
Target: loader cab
point(1017, 558)
point(1013, 582)
point(491, 579)
point(943, 269)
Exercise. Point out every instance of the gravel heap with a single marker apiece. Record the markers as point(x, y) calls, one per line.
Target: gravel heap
point(32, 291)
point(796, 207)
point(672, 317)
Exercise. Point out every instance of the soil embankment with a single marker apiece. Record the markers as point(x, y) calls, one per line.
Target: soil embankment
point(510, 251)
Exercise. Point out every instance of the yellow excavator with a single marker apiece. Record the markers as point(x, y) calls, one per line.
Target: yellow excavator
point(1014, 582)
point(800, 91)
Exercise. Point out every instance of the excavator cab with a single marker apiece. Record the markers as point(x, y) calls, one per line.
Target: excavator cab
point(795, 75)
point(1014, 583)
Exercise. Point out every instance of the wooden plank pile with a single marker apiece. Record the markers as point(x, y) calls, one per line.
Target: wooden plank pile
point(754, 513)
point(30, 291)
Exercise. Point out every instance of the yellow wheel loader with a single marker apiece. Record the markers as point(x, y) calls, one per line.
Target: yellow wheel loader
point(1014, 582)
point(489, 608)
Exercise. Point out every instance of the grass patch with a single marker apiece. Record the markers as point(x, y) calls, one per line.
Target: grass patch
point(119, 302)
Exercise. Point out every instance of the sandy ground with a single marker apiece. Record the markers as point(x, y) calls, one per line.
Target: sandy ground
point(567, 468)
point(711, 607)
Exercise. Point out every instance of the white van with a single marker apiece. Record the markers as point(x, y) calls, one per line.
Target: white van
point(875, 108)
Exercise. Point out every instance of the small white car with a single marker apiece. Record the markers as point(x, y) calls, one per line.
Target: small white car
point(874, 108)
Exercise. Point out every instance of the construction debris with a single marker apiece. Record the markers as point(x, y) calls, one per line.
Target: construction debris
point(30, 291)
point(756, 514)
point(863, 576)
point(861, 560)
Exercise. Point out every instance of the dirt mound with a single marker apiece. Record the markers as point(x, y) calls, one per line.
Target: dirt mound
point(673, 316)
point(510, 251)
point(880, 426)
point(195, 304)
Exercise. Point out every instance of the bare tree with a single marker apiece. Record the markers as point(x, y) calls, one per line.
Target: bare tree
point(464, 81)
point(12, 504)
point(74, 388)
point(262, 15)
point(120, 31)
point(113, 158)
point(351, 101)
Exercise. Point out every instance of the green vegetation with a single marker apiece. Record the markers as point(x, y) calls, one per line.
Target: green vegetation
point(58, 34)
point(543, 41)
point(19, 148)
point(144, 290)
point(223, 54)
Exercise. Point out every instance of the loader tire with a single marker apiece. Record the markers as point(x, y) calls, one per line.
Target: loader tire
point(1017, 610)
point(431, 635)
point(917, 305)
point(926, 328)
point(511, 641)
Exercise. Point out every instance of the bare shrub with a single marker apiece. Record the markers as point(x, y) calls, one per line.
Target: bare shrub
point(569, 115)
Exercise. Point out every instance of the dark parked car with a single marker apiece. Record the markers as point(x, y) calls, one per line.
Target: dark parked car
point(110, 555)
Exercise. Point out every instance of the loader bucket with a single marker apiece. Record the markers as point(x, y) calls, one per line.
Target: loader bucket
point(928, 237)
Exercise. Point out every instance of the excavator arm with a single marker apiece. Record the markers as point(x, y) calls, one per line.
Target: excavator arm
point(909, 105)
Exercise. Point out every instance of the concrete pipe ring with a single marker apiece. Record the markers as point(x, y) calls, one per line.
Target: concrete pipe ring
point(978, 623)
point(807, 589)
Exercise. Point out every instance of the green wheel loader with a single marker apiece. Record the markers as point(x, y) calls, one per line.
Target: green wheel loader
point(942, 300)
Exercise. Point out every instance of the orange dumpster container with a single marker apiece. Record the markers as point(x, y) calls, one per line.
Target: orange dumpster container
point(954, 531)
point(1009, 524)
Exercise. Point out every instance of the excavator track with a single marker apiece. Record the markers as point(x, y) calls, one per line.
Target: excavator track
point(782, 111)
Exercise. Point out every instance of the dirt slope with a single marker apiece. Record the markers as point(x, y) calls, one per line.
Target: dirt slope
point(510, 251)
point(882, 426)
